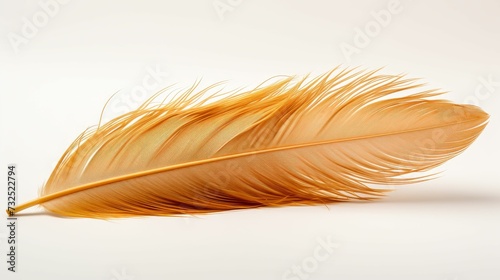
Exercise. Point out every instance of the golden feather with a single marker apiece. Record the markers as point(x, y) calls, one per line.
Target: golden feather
point(292, 142)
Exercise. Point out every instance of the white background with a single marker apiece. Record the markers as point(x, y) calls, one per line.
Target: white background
point(56, 77)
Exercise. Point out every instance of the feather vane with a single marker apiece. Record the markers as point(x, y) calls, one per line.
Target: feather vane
point(290, 142)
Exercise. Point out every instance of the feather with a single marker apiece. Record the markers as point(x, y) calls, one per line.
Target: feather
point(337, 137)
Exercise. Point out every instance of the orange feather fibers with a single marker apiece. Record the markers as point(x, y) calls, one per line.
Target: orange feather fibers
point(291, 142)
